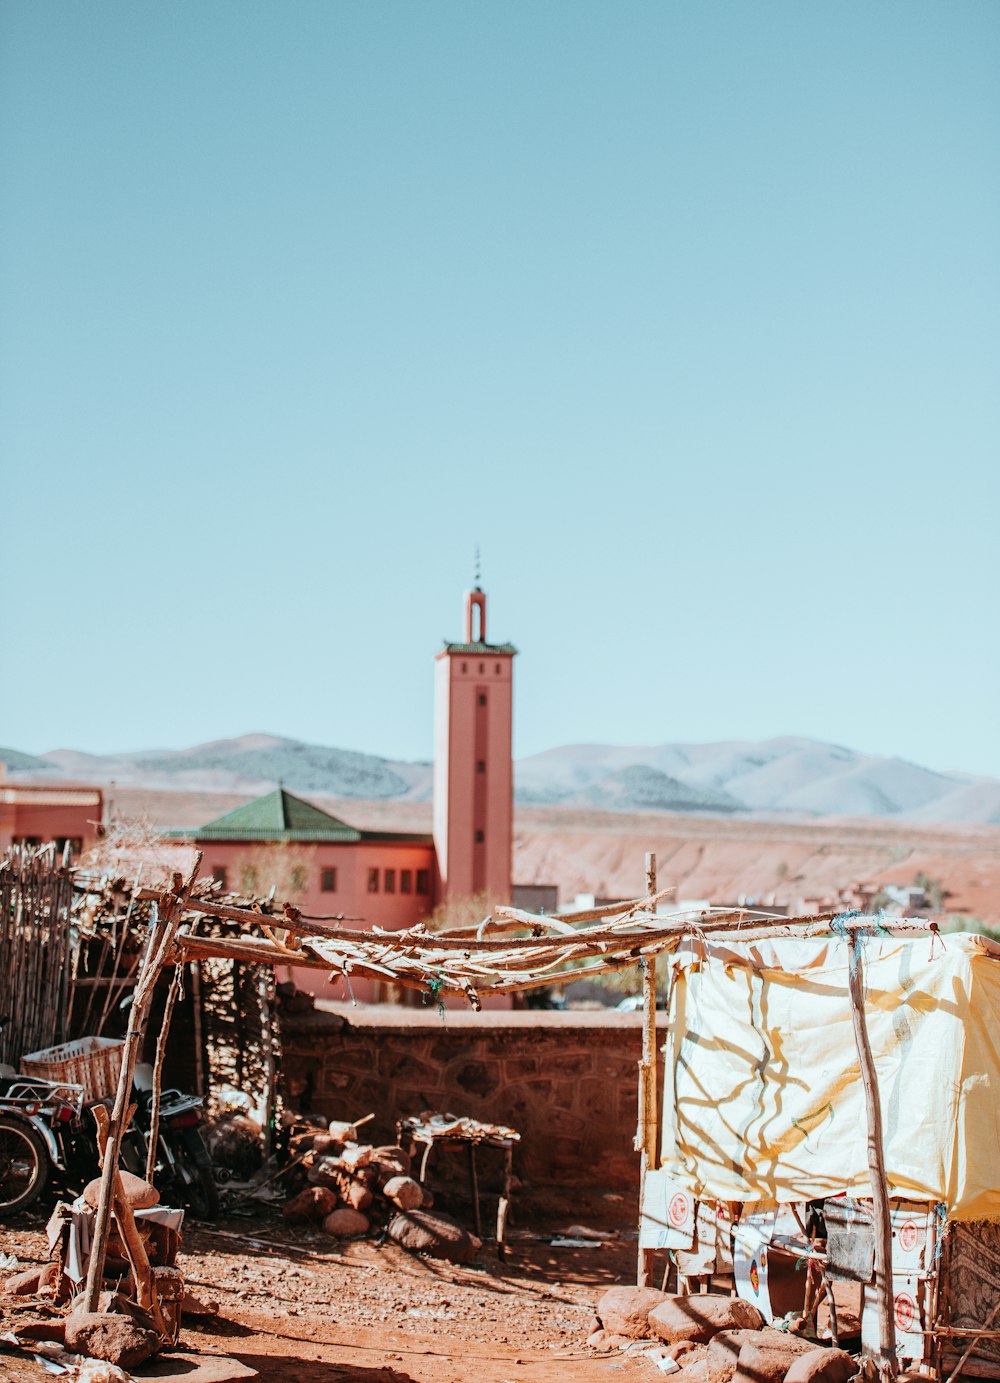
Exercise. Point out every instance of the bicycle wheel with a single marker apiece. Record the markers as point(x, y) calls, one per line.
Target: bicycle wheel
point(24, 1165)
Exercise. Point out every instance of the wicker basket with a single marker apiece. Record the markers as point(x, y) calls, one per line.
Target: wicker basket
point(93, 1062)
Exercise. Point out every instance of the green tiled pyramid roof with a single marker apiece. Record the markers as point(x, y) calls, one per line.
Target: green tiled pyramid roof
point(278, 815)
point(507, 650)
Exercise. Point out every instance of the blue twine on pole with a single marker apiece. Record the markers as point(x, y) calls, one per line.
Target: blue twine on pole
point(876, 927)
point(942, 1220)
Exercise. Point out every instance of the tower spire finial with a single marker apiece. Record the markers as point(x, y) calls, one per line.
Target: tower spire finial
point(478, 570)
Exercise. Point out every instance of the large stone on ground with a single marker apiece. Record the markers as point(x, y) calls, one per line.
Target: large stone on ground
point(767, 1357)
point(822, 1366)
point(139, 1194)
point(625, 1310)
point(109, 1336)
point(345, 1223)
point(310, 1206)
point(437, 1235)
point(724, 1351)
point(700, 1317)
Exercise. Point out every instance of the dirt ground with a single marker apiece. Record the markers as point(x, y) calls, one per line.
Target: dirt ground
point(297, 1306)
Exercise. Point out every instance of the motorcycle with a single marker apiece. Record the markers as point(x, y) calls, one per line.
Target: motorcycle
point(184, 1170)
point(41, 1138)
point(48, 1137)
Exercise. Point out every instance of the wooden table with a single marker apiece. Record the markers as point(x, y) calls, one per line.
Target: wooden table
point(431, 1130)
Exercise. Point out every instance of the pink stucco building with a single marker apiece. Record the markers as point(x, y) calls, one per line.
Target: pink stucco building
point(36, 813)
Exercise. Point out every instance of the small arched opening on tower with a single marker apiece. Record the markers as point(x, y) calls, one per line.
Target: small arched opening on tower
point(475, 616)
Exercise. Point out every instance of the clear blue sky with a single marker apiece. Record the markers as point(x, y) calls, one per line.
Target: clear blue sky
point(687, 313)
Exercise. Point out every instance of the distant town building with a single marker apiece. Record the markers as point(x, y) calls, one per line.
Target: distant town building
point(317, 861)
point(36, 813)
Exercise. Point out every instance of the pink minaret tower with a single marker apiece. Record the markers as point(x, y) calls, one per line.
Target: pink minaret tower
point(473, 767)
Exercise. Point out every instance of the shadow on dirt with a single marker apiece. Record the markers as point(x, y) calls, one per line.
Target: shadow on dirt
point(271, 1369)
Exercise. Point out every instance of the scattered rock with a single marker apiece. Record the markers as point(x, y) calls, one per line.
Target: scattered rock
point(54, 1329)
point(23, 1284)
point(139, 1194)
point(404, 1192)
point(822, 1366)
point(433, 1234)
point(700, 1317)
point(690, 1351)
point(625, 1310)
point(607, 1339)
point(192, 1305)
point(724, 1351)
point(767, 1357)
point(344, 1223)
point(111, 1337)
point(310, 1206)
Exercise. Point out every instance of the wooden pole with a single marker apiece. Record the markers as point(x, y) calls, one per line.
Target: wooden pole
point(267, 1057)
point(647, 1131)
point(887, 1361)
point(161, 936)
point(161, 1052)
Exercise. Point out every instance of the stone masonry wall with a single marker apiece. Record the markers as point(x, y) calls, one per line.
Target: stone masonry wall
point(567, 1081)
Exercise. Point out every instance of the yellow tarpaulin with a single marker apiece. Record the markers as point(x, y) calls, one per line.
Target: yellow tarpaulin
point(763, 1098)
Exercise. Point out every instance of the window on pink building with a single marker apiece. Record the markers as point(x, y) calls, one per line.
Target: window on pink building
point(406, 881)
point(480, 765)
point(219, 874)
point(423, 881)
point(390, 881)
point(328, 880)
point(373, 881)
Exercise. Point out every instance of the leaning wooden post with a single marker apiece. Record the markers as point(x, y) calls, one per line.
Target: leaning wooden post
point(647, 1133)
point(887, 1362)
point(161, 935)
point(157, 1092)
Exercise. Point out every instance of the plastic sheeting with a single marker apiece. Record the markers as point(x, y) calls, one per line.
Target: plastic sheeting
point(763, 1098)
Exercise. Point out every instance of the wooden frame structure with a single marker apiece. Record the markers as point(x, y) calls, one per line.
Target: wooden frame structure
point(510, 951)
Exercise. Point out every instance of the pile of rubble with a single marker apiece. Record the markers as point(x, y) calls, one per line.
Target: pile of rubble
point(718, 1338)
point(356, 1188)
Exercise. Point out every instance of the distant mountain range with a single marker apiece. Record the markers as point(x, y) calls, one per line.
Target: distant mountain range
point(785, 775)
